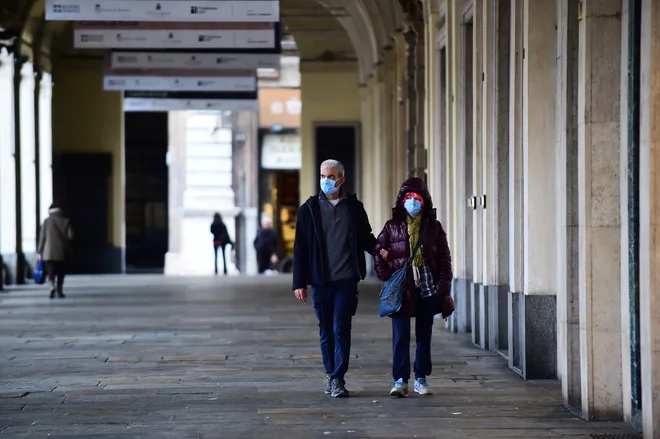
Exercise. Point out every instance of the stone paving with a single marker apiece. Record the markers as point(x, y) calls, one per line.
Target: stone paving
point(148, 356)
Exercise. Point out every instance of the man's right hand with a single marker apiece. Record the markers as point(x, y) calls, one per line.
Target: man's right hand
point(301, 294)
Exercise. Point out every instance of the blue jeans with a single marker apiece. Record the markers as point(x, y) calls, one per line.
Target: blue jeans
point(335, 304)
point(424, 312)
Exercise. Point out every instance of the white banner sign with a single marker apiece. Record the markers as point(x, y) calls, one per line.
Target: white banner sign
point(281, 152)
point(190, 83)
point(143, 104)
point(165, 60)
point(164, 10)
point(108, 35)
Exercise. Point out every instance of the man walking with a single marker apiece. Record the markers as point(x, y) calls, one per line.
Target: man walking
point(332, 234)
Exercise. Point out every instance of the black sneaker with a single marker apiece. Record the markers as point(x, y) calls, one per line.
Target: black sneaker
point(338, 389)
point(328, 385)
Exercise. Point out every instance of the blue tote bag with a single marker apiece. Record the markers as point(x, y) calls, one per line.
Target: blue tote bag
point(38, 273)
point(394, 288)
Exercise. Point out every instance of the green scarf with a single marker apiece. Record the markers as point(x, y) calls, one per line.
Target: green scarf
point(414, 227)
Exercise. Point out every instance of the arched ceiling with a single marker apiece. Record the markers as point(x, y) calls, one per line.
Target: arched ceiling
point(324, 30)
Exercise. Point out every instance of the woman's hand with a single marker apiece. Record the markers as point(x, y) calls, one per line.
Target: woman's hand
point(385, 254)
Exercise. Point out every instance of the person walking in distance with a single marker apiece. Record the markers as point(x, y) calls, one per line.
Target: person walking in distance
point(332, 235)
point(55, 247)
point(265, 245)
point(220, 241)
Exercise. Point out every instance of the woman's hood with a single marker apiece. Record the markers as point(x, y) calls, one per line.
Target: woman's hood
point(417, 185)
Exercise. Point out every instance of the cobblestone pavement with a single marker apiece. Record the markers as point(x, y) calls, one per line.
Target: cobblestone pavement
point(149, 356)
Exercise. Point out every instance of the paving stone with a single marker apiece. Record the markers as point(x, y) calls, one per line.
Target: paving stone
point(155, 357)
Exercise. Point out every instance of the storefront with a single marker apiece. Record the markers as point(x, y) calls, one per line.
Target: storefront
point(280, 162)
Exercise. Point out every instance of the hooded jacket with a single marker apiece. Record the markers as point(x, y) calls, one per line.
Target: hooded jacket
point(395, 239)
point(308, 250)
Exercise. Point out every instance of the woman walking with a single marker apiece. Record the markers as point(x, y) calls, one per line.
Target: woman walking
point(220, 240)
point(429, 281)
point(55, 247)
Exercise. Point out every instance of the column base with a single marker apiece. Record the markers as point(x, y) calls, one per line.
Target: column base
point(461, 321)
point(533, 335)
point(13, 269)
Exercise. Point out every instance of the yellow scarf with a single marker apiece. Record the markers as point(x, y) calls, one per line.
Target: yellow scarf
point(414, 227)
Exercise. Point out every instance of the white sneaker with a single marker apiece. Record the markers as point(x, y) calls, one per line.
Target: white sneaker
point(400, 388)
point(422, 387)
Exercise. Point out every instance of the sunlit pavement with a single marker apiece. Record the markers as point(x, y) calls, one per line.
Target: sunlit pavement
point(238, 357)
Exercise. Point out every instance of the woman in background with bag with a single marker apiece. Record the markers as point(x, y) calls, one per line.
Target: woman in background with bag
point(415, 241)
point(55, 247)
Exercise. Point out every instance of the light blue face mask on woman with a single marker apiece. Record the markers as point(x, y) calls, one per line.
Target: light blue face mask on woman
point(328, 186)
point(413, 206)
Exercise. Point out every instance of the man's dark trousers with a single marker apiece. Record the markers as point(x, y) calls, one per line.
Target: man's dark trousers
point(335, 304)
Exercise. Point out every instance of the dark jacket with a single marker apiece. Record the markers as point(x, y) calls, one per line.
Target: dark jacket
point(395, 239)
point(266, 241)
point(220, 234)
point(308, 248)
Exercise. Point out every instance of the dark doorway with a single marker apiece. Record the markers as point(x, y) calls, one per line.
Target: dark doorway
point(146, 139)
point(82, 182)
point(339, 142)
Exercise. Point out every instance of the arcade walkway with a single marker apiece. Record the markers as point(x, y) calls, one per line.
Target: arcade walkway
point(137, 357)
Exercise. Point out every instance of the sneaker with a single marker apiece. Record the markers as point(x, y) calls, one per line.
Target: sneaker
point(338, 389)
point(422, 387)
point(400, 388)
point(328, 385)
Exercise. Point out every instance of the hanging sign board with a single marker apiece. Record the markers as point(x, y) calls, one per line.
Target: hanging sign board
point(135, 35)
point(281, 152)
point(178, 80)
point(140, 104)
point(179, 101)
point(164, 10)
point(158, 83)
point(199, 60)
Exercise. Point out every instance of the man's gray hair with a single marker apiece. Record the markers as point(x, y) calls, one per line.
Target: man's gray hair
point(334, 164)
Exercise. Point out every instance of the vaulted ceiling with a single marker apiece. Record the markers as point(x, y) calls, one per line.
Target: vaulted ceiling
point(324, 30)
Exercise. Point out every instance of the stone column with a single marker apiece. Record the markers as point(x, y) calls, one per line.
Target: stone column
point(515, 186)
point(649, 191)
point(28, 160)
point(568, 334)
point(458, 233)
point(599, 209)
point(412, 107)
point(19, 262)
point(420, 153)
point(489, 169)
point(538, 310)
point(7, 170)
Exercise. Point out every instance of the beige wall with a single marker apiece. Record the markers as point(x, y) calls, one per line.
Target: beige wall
point(87, 119)
point(328, 95)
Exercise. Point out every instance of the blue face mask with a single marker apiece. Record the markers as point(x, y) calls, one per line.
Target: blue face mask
point(328, 186)
point(413, 206)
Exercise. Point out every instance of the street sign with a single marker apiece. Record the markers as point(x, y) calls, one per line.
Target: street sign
point(179, 83)
point(136, 35)
point(165, 10)
point(193, 60)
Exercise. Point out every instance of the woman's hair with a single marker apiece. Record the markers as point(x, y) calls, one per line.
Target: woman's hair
point(217, 217)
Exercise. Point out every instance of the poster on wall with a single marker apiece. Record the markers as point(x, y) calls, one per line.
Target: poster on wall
point(162, 35)
point(194, 60)
point(164, 10)
point(181, 101)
